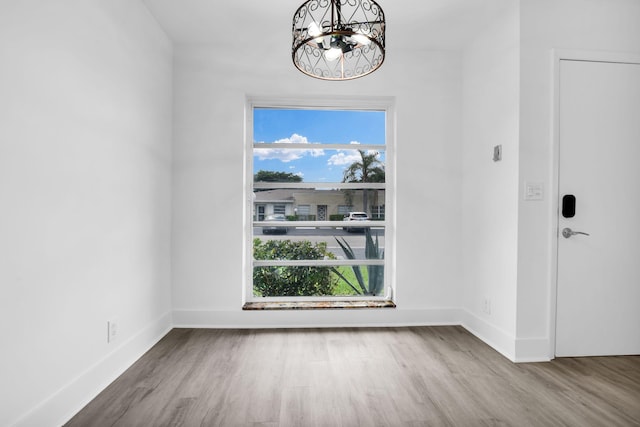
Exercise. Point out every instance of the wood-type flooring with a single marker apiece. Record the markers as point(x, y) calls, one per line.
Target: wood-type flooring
point(414, 376)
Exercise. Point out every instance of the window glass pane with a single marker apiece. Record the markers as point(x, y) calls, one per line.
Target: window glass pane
point(282, 126)
point(377, 212)
point(320, 205)
point(318, 165)
point(259, 213)
point(318, 281)
point(303, 213)
point(301, 161)
point(344, 209)
point(287, 242)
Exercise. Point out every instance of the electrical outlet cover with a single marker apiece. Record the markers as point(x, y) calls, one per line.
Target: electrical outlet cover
point(112, 330)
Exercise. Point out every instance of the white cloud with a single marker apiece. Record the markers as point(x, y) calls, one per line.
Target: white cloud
point(344, 157)
point(347, 157)
point(288, 154)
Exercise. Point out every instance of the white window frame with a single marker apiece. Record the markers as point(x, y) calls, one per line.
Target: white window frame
point(386, 104)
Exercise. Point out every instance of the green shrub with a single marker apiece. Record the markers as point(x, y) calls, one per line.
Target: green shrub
point(291, 280)
point(301, 217)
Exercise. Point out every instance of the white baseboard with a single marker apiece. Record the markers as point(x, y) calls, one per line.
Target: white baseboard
point(501, 341)
point(518, 350)
point(533, 350)
point(65, 403)
point(384, 317)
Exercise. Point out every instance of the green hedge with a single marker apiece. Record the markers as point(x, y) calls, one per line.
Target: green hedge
point(291, 280)
point(301, 217)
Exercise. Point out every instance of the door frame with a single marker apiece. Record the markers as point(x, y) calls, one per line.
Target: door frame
point(557, 56)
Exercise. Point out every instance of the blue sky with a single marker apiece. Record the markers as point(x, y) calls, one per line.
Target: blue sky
point(314, 127)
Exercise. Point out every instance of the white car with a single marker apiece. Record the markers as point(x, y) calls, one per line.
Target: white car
point(355, 216)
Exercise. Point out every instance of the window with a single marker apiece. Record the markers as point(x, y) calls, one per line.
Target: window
point(260, 211)
point(344, 209)
point(303, 213)
point(377, 212)
point(332, 164)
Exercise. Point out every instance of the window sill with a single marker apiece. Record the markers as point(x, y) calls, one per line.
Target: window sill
point(317, 305)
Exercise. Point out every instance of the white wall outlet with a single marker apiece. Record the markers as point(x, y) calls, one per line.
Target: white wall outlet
point(486, 306)
point(112, 330)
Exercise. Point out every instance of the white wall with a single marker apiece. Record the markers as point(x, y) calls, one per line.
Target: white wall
point(85, 149)
point(210, 87)
point(489, 189)
point(596, 25)
point(85, 178)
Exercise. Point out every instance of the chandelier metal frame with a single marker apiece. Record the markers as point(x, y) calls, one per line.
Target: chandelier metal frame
point(338, 39)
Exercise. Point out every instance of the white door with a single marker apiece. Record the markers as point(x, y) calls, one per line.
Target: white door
point(598, 287)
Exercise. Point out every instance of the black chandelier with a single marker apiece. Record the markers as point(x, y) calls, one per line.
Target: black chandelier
point(338, 39)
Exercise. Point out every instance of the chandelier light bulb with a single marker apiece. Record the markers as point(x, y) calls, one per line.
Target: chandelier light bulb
point(314, 30)
point(362, 39)
point(333, 53)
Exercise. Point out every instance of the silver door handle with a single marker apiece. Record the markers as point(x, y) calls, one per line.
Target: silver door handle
point(567, 232)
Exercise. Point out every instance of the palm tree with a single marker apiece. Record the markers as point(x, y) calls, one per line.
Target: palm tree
point(367, 169)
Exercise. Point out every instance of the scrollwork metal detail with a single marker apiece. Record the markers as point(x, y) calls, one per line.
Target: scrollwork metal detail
point(338, 39)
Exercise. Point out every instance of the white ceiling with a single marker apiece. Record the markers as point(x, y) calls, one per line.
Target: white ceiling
point(421, 24)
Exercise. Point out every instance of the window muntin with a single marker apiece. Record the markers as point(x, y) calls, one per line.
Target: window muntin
point(319, 203)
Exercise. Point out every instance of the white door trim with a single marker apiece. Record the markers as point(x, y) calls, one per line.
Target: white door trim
point(557, 56)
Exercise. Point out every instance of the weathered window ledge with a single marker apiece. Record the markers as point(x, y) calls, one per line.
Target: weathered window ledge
point(317, 305)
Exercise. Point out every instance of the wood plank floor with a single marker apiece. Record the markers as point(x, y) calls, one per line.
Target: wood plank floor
point(419, 376)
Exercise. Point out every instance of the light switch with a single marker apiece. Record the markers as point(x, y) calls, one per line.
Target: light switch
point(497, 153)
point(533, 191)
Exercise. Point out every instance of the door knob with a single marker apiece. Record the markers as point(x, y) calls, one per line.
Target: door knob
point(567, 232)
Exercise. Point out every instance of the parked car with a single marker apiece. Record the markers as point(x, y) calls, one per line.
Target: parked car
point(355, 216)
point(274, 229)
